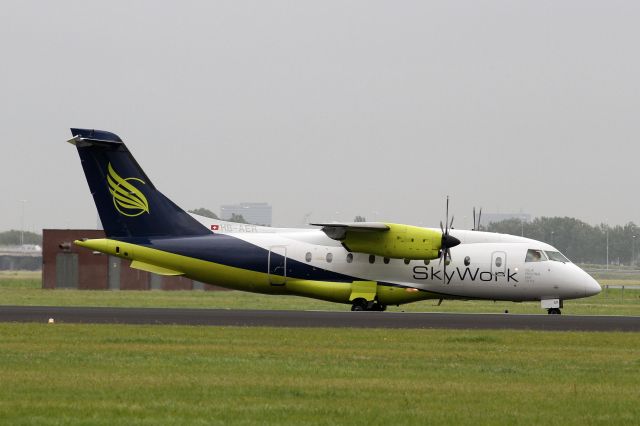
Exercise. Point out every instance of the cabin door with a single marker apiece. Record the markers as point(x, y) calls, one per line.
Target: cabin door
point(277, 265)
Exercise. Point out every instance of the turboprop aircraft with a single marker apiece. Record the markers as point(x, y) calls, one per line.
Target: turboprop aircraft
point(368, 265)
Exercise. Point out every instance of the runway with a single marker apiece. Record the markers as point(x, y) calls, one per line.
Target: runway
point(270, 318)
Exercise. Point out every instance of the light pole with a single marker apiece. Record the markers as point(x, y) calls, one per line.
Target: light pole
point(22, 224)
point(607, 231)
point(633, 250)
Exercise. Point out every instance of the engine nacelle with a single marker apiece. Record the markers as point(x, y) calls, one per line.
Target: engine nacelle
point(399, 242)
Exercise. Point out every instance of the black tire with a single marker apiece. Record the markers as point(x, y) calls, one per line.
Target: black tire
point(359, 305)
point(379, 307)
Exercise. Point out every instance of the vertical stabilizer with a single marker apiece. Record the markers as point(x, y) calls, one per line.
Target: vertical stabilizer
point(127, 202)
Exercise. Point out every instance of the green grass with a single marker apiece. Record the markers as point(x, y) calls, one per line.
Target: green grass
point(21, 279)
point(23, 289)
point(121, 374)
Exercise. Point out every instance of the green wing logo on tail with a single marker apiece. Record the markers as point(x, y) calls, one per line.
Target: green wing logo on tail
point(127, 199)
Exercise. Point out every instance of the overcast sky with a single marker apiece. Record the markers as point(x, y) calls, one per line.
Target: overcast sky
point(333, 108)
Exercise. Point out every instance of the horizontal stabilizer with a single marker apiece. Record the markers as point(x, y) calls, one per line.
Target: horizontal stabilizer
point(87, 137)
point(136, 264)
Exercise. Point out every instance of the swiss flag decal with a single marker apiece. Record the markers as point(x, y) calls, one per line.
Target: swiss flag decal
point(215, 227)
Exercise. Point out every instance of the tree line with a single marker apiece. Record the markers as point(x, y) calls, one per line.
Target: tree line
point(13, 238)
point(579, 241)
point(238, 218)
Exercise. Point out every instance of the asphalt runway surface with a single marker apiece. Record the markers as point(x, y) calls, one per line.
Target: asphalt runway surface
point(270, 318)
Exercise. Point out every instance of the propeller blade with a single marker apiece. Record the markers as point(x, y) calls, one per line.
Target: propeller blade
point(446, 254)
point(446, 221)
point(444, 271)
point(448, 240)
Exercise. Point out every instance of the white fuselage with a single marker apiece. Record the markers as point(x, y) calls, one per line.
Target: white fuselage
point(484, 266)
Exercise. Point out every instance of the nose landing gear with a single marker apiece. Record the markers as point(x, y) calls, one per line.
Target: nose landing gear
point(552, 306)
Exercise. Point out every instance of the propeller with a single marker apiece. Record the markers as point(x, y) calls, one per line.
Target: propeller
point(447, 241)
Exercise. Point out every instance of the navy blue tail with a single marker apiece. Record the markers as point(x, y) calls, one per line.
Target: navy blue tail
point(128, 203)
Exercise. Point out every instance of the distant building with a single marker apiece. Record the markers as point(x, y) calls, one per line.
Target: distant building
point(488, 218)
point(254, 213)
point(27, 257)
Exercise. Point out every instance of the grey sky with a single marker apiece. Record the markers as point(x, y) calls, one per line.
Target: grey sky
point(336, 108)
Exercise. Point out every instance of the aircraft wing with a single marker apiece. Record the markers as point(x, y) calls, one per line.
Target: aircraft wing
point(338, 230)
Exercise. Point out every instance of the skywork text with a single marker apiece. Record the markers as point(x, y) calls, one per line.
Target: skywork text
point(467, 274)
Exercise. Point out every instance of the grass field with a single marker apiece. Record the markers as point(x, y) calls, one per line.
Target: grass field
point(118, 374)
point(24, 288)
point(126, 374)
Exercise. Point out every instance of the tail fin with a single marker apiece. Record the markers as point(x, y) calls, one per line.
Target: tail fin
point(128, 203)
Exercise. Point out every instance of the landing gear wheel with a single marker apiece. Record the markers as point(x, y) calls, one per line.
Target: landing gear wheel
point(554, 311)
point(379, 307)
point(363, 305)
point(359, 305)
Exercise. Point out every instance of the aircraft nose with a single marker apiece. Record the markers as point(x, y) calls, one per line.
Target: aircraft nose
point(591, 287)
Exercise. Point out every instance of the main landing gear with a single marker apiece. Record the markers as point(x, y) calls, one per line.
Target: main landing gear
point(363, 305)
point(554, 311)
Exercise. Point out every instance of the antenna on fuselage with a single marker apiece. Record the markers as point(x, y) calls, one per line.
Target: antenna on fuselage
point(476, 224)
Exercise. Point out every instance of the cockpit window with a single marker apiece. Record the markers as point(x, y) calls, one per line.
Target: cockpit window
point(557, 256)
point(535, 256)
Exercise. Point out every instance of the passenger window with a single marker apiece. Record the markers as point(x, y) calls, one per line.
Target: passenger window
point(498, 261)
point(350, 258)
point(329, 257)
point(307, 257)
point(386, 260)
point(372, 258)
point(535, 256)
point(407, 261)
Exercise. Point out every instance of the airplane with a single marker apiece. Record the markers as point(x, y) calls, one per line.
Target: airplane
point(368, 265)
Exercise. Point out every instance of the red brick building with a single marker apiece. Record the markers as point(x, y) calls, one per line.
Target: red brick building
point(65, 265)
